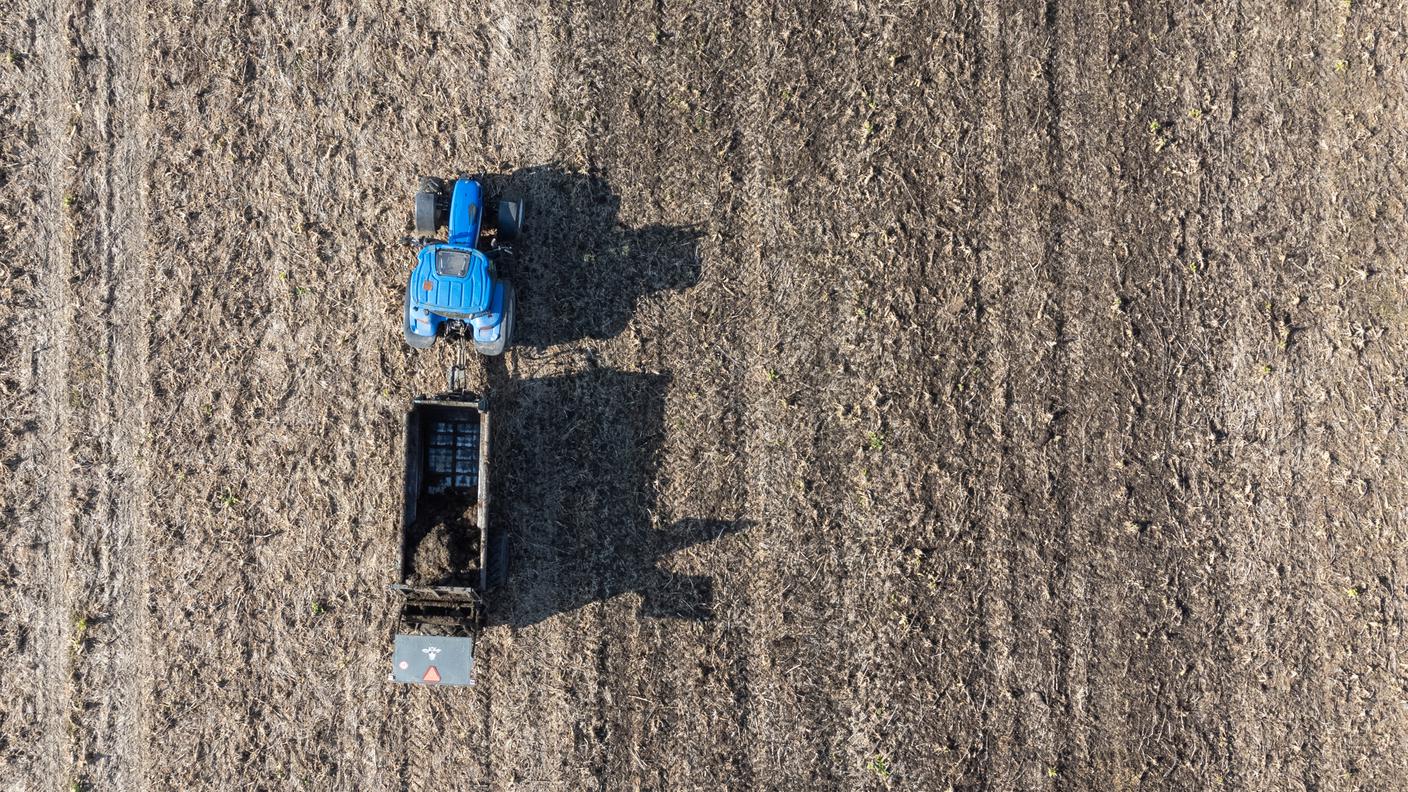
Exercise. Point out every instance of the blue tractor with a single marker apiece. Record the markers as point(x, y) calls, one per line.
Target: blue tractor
point(455, 289)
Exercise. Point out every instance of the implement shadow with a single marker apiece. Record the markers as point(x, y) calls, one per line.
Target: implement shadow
point(578, 270)
point(577, 459)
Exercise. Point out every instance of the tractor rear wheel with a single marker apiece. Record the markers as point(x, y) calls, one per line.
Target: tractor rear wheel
point(412, 340)
point(505, 340)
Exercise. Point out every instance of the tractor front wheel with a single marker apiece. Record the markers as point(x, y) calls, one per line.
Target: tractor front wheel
point(428, 214)
point(432, 206)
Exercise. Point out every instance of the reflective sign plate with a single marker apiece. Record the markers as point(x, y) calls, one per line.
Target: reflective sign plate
point(433, 660)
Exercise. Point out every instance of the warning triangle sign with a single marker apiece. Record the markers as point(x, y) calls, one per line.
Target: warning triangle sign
point(431, 675)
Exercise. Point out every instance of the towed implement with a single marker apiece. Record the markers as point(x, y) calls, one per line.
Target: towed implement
point(451, 555)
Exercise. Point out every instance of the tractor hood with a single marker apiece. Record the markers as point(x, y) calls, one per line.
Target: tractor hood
point(451, 281)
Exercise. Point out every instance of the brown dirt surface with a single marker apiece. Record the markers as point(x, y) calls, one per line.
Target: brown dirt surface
point(918, 395)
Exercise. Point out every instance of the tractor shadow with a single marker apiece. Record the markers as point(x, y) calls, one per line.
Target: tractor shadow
point(577, 458)
point(579, 271)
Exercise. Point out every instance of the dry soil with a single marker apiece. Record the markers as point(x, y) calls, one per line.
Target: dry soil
point(916, 395)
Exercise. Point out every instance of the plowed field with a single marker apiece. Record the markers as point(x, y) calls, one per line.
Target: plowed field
point(920, 395)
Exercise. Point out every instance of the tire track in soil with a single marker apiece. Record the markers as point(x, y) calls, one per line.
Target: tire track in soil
point(1119, 534)
point(1244, 642)
point(1083, 426)
point(622, 673)
point(849, 592)
point(1200, 124)
point(593, 633)
point(1016, 562)
point(1172, 291)
point(651, 163)
point(362, 731)
point(1219, 731)
point(809, 582)
point(915, 650)
point(412, 714)
point(1208, 33)
point(758, 728)
point(980, 417)
point(129, 389)
point(1252, 748)
point(624, 685)
point(1059, 410)
point(1034, 325)
point(1318, 406)
point(109, 395)
point(425, 729)
point(912, 652)
point(620, 666)
point(1357, 510)
point(929, 497)
point(1154, 291)
point(1294, 268)
point(55, 644)
point(24, 240)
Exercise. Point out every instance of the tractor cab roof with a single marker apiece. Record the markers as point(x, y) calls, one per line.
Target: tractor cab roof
point(451, 280)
